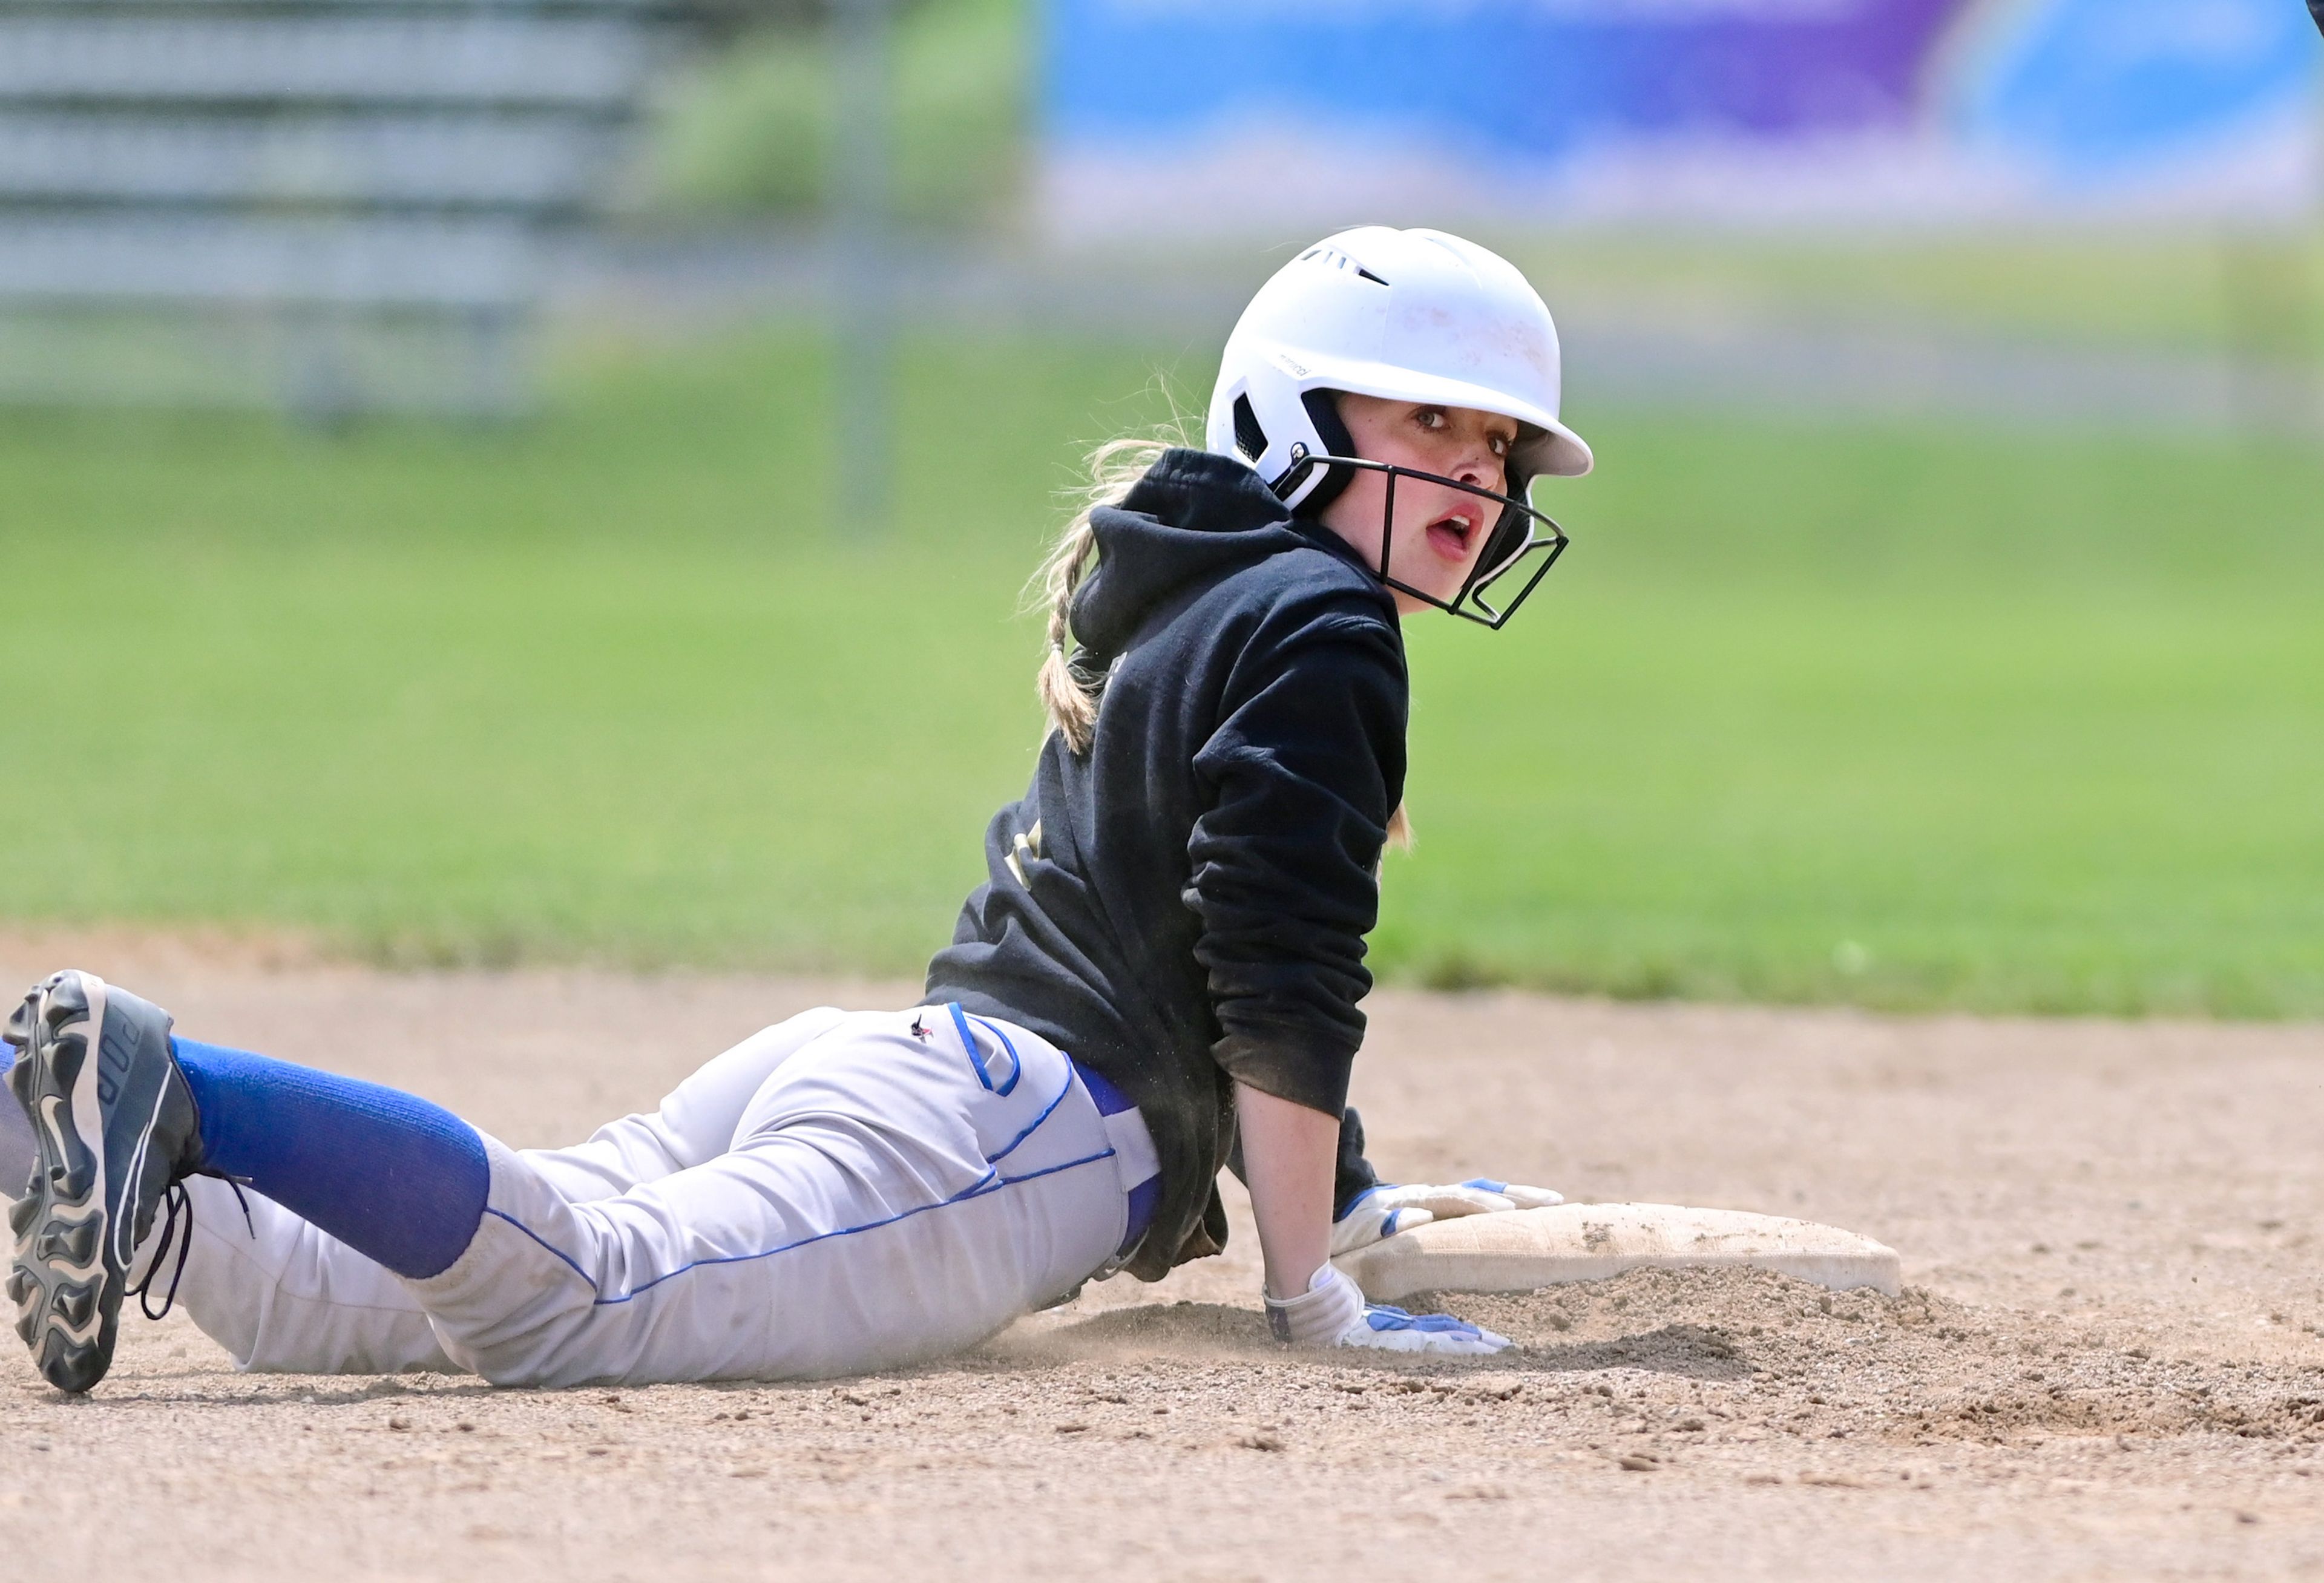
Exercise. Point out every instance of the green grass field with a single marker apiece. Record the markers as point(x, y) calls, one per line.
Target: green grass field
point(1941, 718)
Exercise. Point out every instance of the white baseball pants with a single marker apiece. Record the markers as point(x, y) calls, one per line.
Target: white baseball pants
point(838, 1193)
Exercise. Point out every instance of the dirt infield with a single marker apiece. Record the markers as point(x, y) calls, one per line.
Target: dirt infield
point(2108, 1360)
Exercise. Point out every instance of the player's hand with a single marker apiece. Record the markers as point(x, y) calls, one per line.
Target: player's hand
point(1391, 1329)
point(1384, 1211)
point(1332, 1312)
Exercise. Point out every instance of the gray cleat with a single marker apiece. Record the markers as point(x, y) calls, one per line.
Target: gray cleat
point(117, 1127)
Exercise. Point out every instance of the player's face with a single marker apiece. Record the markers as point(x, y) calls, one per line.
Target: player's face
point(1438, 533)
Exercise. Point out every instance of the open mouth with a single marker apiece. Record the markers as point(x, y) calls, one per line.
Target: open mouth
point(1451, 534)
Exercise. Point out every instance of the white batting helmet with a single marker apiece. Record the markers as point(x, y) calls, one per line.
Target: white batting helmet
point(1408, 316)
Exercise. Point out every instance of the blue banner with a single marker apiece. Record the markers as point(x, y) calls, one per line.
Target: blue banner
point(1162, 114)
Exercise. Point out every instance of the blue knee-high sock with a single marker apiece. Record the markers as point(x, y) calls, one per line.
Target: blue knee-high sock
point(396, 1178)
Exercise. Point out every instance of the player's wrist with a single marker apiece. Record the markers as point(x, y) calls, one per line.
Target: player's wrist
point(1319, 1316)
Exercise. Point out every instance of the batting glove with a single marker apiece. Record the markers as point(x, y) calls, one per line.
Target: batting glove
point(1384, 1211)
point(1391, 1329)
point(1332, 1312)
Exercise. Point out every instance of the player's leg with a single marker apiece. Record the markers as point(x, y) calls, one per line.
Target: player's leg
point(891, 1196)
point(696, 1121)
point(282, 1294)
point(124, 1118)
point(290, 1130)
point(895, 1164)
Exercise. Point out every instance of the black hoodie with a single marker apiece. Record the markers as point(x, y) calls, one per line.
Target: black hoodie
point(1185, 904)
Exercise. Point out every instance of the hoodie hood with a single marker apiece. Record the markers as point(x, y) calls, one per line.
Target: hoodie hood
point(1195, 517)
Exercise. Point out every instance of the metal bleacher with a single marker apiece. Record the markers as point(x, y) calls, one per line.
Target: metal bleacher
point(338, 205)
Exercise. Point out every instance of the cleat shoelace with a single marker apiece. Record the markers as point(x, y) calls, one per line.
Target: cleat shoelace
point(177, 1201)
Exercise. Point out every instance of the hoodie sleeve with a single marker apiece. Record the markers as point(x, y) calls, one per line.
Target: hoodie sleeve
point(1305, 767)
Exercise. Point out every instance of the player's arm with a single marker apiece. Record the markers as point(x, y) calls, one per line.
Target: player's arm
point(1364, 1209)
point(1290, 1154)
point(1305, 768)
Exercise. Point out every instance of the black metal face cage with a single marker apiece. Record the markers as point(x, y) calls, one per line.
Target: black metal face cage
point(1470, 604)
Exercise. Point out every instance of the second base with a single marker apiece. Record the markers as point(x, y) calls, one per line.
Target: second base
point(1519, 1250)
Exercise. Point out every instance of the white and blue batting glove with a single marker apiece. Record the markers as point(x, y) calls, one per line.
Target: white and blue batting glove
point(1392, 1329)
point(1332, 1312)
point(1384, 1211)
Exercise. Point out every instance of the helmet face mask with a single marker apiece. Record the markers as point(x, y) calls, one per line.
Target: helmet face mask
point(1520, 536)
point(1400, 316)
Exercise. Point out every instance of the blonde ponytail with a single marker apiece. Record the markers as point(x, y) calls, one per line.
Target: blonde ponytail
point(1069, 697)
point(1071, 707)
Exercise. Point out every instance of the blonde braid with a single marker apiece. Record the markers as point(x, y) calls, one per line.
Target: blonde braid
point(1070, 708)
point(1070, 700)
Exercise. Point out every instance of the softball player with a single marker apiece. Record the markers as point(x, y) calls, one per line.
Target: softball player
point(1160, 976)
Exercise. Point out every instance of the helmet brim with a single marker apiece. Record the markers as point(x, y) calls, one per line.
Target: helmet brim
point(1556, 450)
